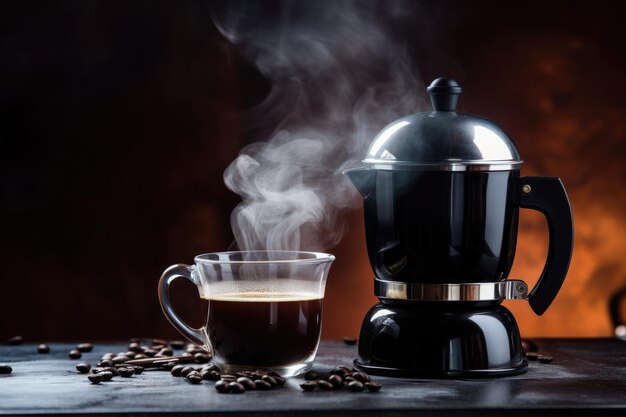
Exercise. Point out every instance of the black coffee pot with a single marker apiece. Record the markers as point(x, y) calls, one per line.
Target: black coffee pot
point(442, 192)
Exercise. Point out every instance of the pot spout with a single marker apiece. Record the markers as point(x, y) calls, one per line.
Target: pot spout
point(363, 179)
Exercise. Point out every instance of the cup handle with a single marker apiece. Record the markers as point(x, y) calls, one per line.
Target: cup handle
point(548, 195)
point(168, 276)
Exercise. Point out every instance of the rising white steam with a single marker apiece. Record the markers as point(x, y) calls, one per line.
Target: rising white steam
point(338, 75)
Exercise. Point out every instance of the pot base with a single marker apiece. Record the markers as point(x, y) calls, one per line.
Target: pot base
point(438, 340)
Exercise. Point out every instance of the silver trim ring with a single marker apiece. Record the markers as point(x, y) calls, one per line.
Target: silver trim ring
point(481, 291)
point(390, 165)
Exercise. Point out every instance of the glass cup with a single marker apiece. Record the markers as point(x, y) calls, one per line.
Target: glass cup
point(264, 307)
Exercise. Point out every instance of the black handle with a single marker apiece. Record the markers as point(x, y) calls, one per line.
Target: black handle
point(548, 195)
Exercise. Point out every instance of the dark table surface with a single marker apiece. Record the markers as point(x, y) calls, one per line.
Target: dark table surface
point(588, 376)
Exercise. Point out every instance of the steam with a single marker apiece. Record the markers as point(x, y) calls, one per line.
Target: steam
point(338, 75)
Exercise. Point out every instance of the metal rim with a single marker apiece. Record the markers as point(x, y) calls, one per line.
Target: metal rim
point(421, 373)
point(465, 166)
point(480, 291)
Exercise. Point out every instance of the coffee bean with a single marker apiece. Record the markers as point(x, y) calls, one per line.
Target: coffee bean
point(111, 369)
point(168, 366)
point(108, 355)
point(361, 376)
point(221, 386)
point(140, 356)
point(149, 352)
point(135, 347)
point(529, 345)
point(309, 385)
point(247, 383)
point(336, 380)
point(194, 377)
point(15, 340)
point(158, 342)
point(126, 372)
point(262, 385)
point(373, 386)
point(228, 377)
point(165, 352)
point(280, 381)
point(138, 369)
point(83, 367)
point(107, 362)
point(5, 369)
point(356, 386)
point(43, 348)
point(545, 358)
point(349, 341)
point(95, 378)
point(176, 370)
point(349, 379)
point(532, 356)
point(186, 371)
point(324, 385)
point(311, 376)
point(213, 368)
point(236, 388)
point(130, 354)
point(201, 357)
point(342, 371)
point(120, 359)
point(106, 375)
point(74, 354)
point(85, 347)
point(177, 344)
point(270, 379)
point(215, 376)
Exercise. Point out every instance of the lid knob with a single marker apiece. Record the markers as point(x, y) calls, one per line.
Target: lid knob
point(444, 94)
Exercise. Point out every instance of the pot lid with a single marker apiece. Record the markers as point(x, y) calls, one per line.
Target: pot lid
point(443, 140)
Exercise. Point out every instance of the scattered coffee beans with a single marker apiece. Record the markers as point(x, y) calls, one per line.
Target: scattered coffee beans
point(340, 377)
point(74, 354)
point(83, 367)
point(15, 340)
point(126, 372)
point(85, 347)
point(43, 348)
point(5, 369)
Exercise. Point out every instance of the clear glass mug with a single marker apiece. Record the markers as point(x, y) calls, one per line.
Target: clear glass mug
point(264, 307)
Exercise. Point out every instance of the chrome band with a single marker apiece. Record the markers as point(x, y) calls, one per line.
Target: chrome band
point(381, 164)
point(482, 291)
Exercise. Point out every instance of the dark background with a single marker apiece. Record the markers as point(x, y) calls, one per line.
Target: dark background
point(117, 120)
